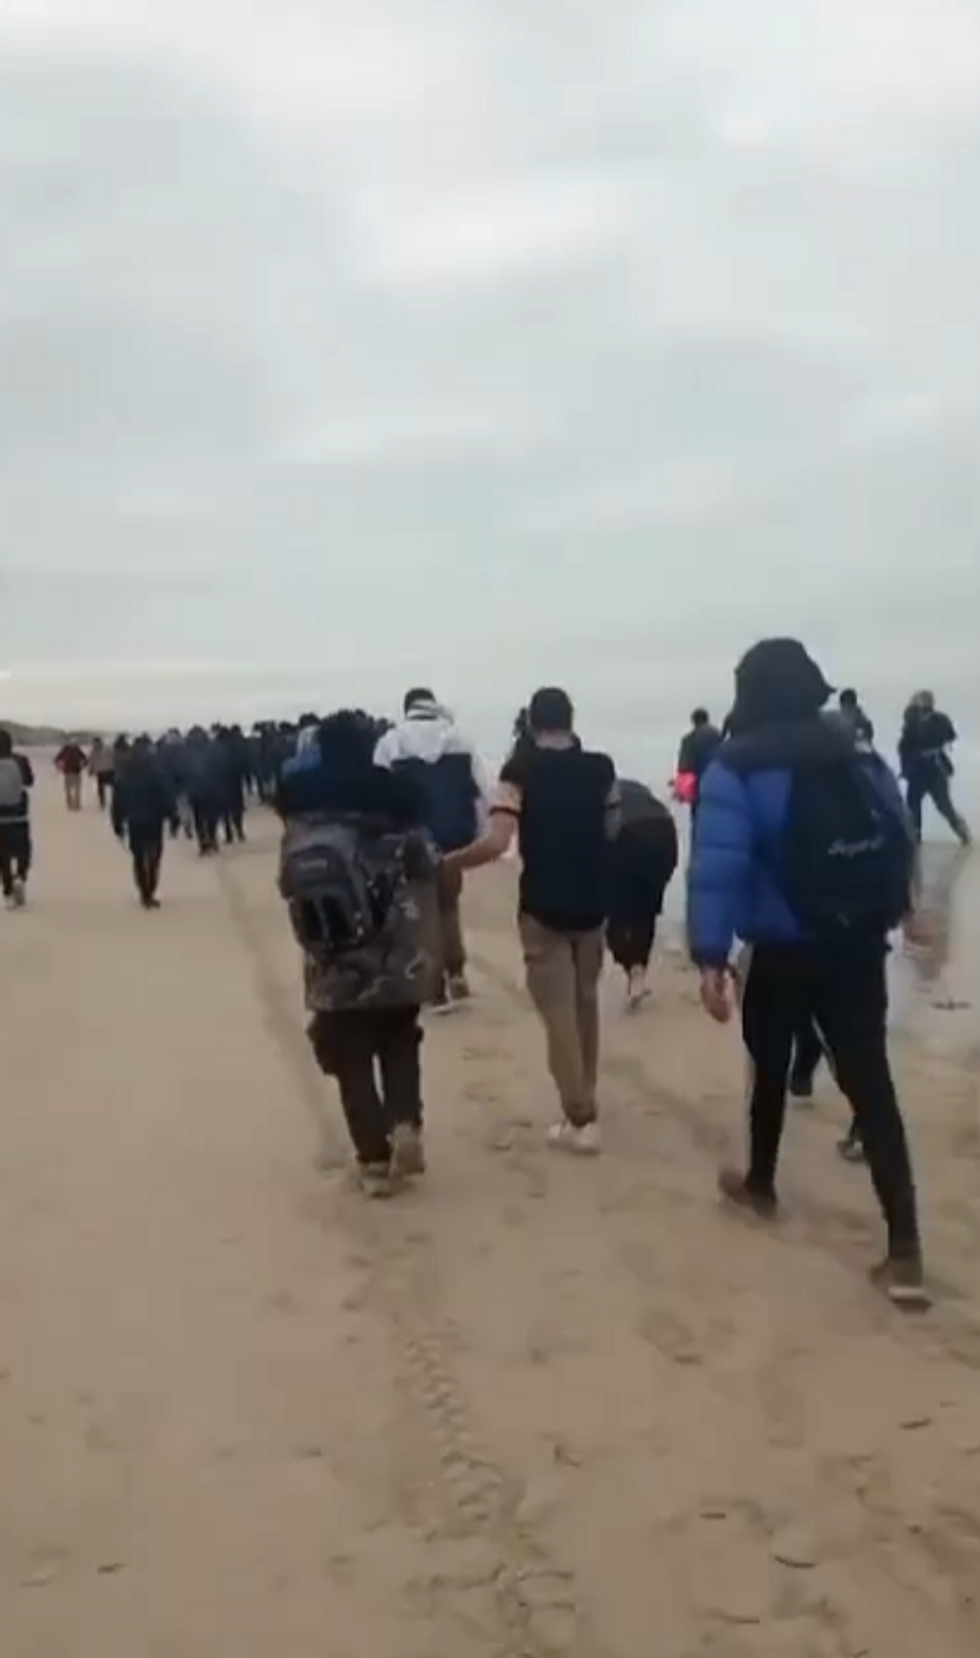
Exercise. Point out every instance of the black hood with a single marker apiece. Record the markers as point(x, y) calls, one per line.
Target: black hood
point(776, 682)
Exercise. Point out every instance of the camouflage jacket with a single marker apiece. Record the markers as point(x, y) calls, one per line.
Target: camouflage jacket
point(396, 967)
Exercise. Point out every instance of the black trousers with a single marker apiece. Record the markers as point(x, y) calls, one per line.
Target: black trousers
point(842, 987)
point(807, 1050)
point(360, 1048)
point(146, 846)
point(631, 941)
point(15, 855)
point(103, 786)
point(933, 784)
point(205, 824)
point(233, 819)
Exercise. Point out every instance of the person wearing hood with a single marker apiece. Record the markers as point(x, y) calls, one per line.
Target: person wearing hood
point(203, 775)
point(803, 850)
point(16, 782)
point(427, 746)
point(355, 841)
point(142, 804)
point(923, 753)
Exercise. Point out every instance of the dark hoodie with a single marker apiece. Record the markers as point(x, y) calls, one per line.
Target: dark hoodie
point(143, 801)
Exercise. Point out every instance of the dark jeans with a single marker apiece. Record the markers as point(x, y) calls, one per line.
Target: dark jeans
point(933, 784)
point(631, 941)
point(205, 825)
point(15, 855)
point(348, 1046)
point(807, 1051)
point(842, 987)
point(146, 846)
point(234, 824)
point(103, 787)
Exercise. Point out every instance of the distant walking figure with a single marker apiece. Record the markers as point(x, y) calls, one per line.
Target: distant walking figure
point(102, 767)
point(71, 761)
point(923, 752)
point(16, 780)
point(142, 805)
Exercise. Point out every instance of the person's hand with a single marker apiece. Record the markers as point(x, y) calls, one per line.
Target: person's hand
point(920, 930)
point(716, 993)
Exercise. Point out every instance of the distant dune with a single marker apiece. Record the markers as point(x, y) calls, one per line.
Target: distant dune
point(34, 736)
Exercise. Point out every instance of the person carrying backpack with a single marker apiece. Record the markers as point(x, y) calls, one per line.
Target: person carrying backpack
point(16, 780)
point(643, 857)
point(427, 746)
point(804, 851)
point(358, 872)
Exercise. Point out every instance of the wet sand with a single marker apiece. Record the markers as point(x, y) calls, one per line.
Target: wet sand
point(540, 1407)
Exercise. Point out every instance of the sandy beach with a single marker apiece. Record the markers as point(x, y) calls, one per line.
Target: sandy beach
point(538, 1407)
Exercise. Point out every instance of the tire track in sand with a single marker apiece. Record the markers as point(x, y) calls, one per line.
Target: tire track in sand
point(531, 1607)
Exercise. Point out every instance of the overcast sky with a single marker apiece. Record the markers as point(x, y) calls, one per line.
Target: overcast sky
point(484, 342)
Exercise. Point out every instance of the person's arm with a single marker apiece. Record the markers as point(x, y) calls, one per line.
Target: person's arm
point(719, 873)
point(946, 729)
point(26, 771)
point(614, 809)
point(484, 792)
point(505, 811)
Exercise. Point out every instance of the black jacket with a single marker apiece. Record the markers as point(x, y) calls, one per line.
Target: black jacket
point(924, 741)
point(698, 749)
point(143, 797)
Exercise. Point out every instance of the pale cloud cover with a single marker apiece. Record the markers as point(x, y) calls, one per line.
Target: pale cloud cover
point(348, 343)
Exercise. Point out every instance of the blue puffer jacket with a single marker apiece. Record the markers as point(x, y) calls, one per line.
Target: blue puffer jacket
point(732, 889)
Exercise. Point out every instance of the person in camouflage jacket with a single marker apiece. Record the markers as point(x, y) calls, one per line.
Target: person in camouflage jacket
point(365, 1000)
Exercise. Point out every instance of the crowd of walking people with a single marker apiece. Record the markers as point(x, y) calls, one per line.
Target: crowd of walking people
point(803, 860)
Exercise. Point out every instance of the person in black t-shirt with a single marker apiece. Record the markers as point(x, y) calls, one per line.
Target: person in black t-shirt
point(562, 801)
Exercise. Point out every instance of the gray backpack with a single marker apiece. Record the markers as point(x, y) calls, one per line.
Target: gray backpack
point(12, 791)
point(336, 902)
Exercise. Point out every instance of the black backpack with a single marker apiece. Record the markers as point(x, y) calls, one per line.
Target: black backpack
point(338, 897)
point(846, 856)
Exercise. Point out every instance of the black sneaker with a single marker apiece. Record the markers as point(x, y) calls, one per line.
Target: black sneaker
point(733, 1185)
point(801, 1088)
point(901, 1278)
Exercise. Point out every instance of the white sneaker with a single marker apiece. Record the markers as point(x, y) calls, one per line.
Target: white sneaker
point(407, 1151)
point(638, 990)
point(583, 1142)
point(10, 903)
point(375, 1179)
point(20, 893)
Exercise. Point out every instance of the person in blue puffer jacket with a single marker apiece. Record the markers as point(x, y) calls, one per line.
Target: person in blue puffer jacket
point(772, 867)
